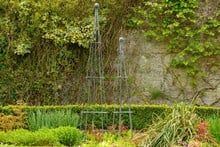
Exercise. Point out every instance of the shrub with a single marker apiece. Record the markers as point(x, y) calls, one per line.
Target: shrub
point(51, 119)
point(24, 137)
point(12, 121)
point(2, 136)
point(45, 137)
point(68, 135)
point(19, 137)
point(214, 127)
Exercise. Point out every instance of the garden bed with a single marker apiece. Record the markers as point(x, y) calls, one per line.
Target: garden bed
point(178, 125)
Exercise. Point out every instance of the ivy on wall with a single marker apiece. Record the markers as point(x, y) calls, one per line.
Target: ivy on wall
point(44, 44)
point(39, 45)
point(190, 28)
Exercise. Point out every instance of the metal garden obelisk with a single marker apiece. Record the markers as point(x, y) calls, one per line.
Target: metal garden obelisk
point(95, 93)
point(121, 92)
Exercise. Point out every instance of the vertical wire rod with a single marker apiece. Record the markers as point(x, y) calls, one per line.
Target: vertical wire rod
point(121, 42)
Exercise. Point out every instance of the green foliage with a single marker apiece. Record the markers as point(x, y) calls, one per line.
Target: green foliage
point(156, 93)
point(40, 44)
point(142, 115)
point(43, 137)
point(110, 139)
point(51, 119)
point(43, 44)
point(3, 136)
point(207, 112)
point(214, 127)
point(190, 31)
point(19, 137)
point(69, 136)
point(178, 127)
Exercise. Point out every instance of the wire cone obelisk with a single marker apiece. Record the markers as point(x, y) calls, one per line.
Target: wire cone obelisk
point(121, 91)
point(94, 89)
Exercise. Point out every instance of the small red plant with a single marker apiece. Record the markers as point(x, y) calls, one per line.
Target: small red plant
point(97, 133)
point(112, 128)
point(202, 131)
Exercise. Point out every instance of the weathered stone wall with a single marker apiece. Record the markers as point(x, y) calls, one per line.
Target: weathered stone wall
point(155, 81)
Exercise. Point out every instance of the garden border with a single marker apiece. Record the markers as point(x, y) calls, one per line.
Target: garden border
point(142, 116)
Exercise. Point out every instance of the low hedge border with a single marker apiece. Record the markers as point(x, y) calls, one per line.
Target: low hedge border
point(142, 115)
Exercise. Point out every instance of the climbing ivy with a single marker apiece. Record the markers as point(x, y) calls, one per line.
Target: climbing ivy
point(44, 46)
point(40, 44)
point(191, 32)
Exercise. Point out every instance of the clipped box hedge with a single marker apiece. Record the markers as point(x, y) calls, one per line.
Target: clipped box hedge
point(142, 115)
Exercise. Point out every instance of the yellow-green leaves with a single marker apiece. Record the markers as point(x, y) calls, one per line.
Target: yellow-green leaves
point(190, 30)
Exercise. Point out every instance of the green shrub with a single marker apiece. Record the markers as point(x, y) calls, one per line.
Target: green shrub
point(207, 112)
point(19, 137)
point(52, 119)
point(214, 127)
point(69, 136)
point(43, 137)
point(2, 136)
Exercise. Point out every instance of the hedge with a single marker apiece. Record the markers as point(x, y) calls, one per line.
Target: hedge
point(142, 115)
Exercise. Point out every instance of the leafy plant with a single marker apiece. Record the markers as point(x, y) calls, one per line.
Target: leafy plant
point(139, 118)
point(13, 121)
point(110, 139)
point(177, 128)
point(69, 136)
point(19, 137)
point(52, 119)
point(203, 137)
point(202, 131)
point(40, 40)
point(191, 34)
point(44, 44)
point(156, 93)
point(43, 137)
point(25, 137)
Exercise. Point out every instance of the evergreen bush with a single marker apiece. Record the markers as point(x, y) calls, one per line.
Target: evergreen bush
point(69, 136)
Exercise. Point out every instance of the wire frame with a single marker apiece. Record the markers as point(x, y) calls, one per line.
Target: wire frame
point(121, 91)
point(90, 117)
point(94, 82)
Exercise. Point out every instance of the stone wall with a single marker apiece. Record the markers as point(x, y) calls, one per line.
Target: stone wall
point(155, 81)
